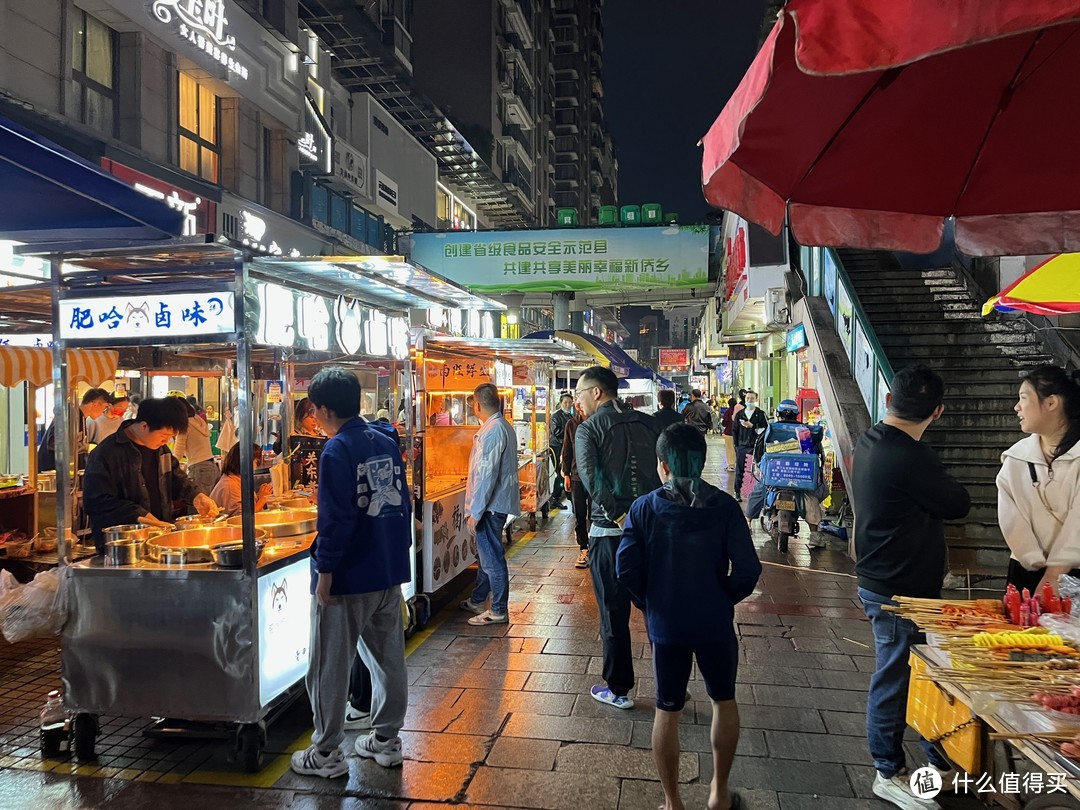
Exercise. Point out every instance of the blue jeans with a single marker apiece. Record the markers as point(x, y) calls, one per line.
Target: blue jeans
point(492, 576)
point(755, 502)
point(886, 707)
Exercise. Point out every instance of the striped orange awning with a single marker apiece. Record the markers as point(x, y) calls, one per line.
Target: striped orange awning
point(35, 365)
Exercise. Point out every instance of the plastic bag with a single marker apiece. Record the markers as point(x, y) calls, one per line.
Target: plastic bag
point(33, 610)
point(1070, 586)
point(1068, 627)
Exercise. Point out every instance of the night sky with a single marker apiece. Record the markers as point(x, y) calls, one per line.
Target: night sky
point(669, 68)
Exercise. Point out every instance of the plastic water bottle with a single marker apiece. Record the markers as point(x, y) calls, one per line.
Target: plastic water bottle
point(55, 733)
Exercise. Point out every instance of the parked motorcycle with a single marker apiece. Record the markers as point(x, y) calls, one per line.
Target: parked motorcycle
point(780, 517)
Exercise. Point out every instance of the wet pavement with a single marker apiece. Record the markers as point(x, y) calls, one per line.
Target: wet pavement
point(500, 716)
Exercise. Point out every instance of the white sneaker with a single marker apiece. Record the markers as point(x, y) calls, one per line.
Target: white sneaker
point(898, 791)
point(948, 777)
point(388, 754)
point(312, 762)
point(356, 720)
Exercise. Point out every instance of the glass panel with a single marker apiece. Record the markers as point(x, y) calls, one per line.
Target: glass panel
point(99, 52)
point(77, 103)
point(442, 204)
point(189, 114)
point(320, 204)
point(189, 155)
point(78, 40)
point(99, 112)
point(207, 114)
point(209, 165)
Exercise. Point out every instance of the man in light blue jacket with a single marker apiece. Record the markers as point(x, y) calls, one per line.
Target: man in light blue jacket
point(491, 495)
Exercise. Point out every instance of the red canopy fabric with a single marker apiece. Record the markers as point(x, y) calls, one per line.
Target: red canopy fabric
point(872, 121)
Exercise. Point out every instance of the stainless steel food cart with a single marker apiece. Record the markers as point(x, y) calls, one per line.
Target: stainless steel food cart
point(196, 641)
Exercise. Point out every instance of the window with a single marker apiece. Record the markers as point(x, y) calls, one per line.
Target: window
point(200, 152)
point(93, 69)
point(266, 169)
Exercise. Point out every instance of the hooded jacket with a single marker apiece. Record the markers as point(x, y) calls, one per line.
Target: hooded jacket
point(687, 559)
point(1040, 534)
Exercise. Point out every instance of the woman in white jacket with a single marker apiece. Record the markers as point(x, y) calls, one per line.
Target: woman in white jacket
point(1040, 480)
point(195, 444)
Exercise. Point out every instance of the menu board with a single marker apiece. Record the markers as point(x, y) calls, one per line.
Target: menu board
point(448, 547)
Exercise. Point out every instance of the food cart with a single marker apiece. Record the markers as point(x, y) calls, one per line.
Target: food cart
point(180, 633)
point(976, 686)
point(450, 369)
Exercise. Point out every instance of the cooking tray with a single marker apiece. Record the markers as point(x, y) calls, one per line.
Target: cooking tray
point(281, 522)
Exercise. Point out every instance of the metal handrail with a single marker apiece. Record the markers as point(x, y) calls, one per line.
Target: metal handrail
point(879, 354)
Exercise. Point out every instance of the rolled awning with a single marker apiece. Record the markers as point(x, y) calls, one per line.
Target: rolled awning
point(34, 365)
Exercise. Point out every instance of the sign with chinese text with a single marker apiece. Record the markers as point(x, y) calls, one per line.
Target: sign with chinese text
point(448, 548)
point(736, 254)
point(204, 25)
point(199, 215)
point(739, 352)
point(674, 358)
point(147, 315)
point(303, 320)
point(351, 169)
point(284, 628)
point(386, 192)
point(457, 373)
point(315, 144)
point(531, 372)
point(585, 259)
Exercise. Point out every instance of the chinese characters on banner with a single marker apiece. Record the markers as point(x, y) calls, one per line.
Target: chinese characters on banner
point(624, 258)
point(674, 358)
point(448, 548)
point(457, 373)
point(176, 315)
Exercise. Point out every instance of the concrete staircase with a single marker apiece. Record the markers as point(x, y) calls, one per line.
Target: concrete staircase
point(931, 317)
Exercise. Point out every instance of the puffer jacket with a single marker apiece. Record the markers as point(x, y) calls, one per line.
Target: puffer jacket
point(699, 415)
point(616, 458)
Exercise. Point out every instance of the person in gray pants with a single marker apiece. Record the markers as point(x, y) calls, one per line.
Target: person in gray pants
point(358, 561)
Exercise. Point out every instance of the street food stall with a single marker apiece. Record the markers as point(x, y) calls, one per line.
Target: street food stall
point(210, 622)
point(449, 371)
point(997, 685)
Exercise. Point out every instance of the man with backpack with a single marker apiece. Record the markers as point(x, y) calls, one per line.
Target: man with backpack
point(615, 449)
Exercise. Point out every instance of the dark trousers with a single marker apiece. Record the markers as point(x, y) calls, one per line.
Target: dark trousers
point(558, 490)
point(582, 504)
point(1022, 578)
point(360, 686)
point(741, 452)
point(614, 603)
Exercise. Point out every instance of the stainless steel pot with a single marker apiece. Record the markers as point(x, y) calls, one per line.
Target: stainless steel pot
point(282, 522)
point(231, 555)
point(132, 531)
point(196, 542)
point(191, 521)
point(123, 552)
point(173, 556)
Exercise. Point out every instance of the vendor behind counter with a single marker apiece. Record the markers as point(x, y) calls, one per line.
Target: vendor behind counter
point(132, 477)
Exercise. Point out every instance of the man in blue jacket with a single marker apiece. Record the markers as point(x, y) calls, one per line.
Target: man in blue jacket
point(687, 559)
point(358, 561)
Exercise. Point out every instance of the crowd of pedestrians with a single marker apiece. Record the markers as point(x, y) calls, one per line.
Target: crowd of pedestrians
point(653, 534)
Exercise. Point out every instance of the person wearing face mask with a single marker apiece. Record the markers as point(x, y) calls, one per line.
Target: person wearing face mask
point(1039, 481)
point(557, 430)
point(750, 424)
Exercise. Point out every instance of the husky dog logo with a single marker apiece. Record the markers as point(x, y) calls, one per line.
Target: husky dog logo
point(380, 475)
point(279, 596)
point(138, 316)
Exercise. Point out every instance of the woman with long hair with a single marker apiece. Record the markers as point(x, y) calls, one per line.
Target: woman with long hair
point(1040, 480)
point(226, 492)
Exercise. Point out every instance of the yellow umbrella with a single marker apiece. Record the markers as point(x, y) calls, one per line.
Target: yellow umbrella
point(1052, 288)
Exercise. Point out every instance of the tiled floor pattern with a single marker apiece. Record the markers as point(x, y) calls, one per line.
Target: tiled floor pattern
point(501, 717)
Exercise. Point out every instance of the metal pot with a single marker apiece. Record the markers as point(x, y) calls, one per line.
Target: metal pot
point(132, 531)
point(173, 556)
point(282, 522)
point(191, 521)
point(123, 552)
point(231, 555)
point(196, 542)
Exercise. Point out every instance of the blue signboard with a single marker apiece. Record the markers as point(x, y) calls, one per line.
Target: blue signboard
point(791, 471)
point(796, 339)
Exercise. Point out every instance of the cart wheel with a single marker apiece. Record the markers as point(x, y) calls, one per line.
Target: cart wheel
point(764, 523)
point(249, 741)
point(532, 521)
point(84, 731)
point(781, 541)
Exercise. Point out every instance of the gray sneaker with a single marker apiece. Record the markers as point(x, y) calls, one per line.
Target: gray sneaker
point(897, 790)
point(388, 754)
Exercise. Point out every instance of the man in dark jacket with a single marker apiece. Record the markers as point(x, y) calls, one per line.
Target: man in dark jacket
point(616, 456)
point(358, 561)
point(93, 404)
point(132, 477)
point(902, 493)
point(667, 415)
point(557, 430)
point(687, 559)
point(698, 414)
point(750, 424)
point(578, 496)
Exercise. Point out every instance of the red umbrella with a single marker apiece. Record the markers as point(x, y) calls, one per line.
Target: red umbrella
point(873, 121)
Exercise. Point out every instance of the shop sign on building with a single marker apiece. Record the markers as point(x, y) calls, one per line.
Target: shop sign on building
point(205, 26)
point(736, 255)
point(302, 320)
point(532, 372)
point(674, 358)
point(558, 260)
point(147, 315)
point(351, 169)
point(198, 212)
point(386, 191)
point(457, 373)
point(740, 352)
point(315, 143)
point(38, 341)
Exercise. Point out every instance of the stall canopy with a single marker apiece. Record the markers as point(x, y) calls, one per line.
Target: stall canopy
point(1052, 288)
point(620, 362)
point(525, 349)
point(49, 195)
point(34, 365)
point(868, 123)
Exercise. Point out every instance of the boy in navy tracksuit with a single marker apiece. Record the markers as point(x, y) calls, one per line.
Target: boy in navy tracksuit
point(358, 561)
point(686, 557)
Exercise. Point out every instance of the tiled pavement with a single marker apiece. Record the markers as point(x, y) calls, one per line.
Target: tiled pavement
point(500, 716)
